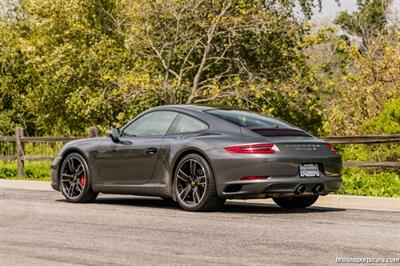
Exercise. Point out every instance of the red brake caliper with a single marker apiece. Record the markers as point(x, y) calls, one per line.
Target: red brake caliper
point(83, 180)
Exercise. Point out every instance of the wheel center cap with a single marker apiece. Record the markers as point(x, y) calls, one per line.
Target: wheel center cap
point(193, 183)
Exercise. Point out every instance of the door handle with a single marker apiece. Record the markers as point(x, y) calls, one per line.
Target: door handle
point(150, 151)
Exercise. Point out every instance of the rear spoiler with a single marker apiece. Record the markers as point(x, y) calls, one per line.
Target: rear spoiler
point(280, 132)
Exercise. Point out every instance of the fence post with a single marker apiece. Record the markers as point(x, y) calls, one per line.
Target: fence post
point(93, 131)
point(19, 133)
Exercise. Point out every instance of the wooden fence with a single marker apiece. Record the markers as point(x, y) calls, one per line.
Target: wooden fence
point(19, 141)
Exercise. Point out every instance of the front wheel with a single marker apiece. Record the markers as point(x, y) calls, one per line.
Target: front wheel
point(75, 179)
point(296, 202)
point(194, 185)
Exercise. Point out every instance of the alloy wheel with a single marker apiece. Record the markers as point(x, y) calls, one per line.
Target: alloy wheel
point(191, 183)
point(73, 177)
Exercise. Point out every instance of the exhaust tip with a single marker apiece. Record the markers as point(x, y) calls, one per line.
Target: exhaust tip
point(318, 189)
point(300, 189)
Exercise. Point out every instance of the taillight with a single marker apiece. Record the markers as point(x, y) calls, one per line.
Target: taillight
point(264, 148)
point(331, 148)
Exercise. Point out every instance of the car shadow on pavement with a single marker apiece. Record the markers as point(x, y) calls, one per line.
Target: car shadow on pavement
point(230, 207)
point(134, 201)
point(235, 207)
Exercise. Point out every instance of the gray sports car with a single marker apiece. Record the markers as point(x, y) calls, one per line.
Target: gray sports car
point(200, 156)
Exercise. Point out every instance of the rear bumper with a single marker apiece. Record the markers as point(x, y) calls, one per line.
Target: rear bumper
point(54, 173)
point(279, 186)
point(280, 170)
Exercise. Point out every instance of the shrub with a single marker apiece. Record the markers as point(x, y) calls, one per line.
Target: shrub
point(366, 183)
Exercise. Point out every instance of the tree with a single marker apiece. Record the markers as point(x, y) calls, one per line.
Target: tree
point(65, 67)
point(356, 79)
point(58, 66)
point(367, 23)
point(365, 82)
point(224, 52)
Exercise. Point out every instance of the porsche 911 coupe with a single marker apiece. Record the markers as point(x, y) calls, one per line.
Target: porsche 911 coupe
point(200, 156)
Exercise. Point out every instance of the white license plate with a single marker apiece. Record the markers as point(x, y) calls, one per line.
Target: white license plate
point(309, 170)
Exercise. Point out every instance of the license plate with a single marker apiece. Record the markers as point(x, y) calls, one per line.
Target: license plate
point(309, 170)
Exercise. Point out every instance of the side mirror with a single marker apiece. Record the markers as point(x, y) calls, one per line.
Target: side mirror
point(114, 134)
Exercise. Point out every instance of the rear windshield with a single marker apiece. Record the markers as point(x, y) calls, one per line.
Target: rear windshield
point(260, 124)
point(249, 119)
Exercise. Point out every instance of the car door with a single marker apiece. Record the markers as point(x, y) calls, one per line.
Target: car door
point(179, 134)
point(132, 159)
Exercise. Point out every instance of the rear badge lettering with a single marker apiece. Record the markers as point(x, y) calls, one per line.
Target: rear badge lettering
point(303, 147)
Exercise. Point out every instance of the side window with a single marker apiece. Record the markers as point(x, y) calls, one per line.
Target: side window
point(187, 124)
point(152, 124)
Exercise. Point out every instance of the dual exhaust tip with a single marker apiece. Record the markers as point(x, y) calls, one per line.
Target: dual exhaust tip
point(300, 189)
point(318, 189)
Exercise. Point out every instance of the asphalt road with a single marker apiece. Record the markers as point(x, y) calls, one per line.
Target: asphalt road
point(40, 228)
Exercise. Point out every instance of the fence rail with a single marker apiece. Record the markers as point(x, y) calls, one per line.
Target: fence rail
point(371, 164)
point(363, 139)
point(19, 140)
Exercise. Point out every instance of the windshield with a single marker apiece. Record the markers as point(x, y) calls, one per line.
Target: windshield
point(249, 119)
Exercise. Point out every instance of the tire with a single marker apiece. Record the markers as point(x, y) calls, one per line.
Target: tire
point(205, 185)
point(69, 175)
point(296, 202)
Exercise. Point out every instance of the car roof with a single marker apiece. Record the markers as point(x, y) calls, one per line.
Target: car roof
point(191, 107)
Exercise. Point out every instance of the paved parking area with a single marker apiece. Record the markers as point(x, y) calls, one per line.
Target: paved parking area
point(40, 228)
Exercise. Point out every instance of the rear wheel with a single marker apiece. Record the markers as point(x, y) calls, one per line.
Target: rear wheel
point(75, 179)
point(296, 202)
point(194, 185)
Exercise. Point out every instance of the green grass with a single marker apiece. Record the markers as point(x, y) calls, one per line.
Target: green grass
point(33, 170)
point(355, 181)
